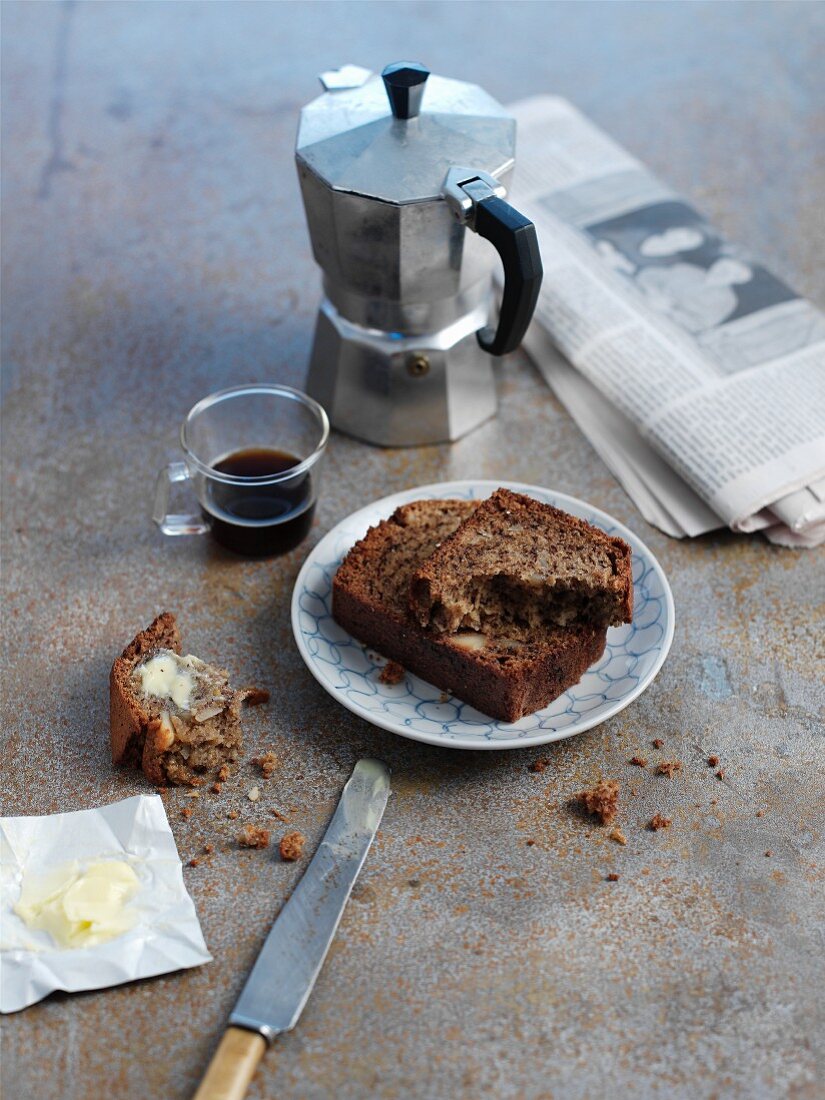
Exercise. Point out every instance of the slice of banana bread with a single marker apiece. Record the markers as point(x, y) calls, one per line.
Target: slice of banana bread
point(174, 716)
point(519, 561)
point(506, 674)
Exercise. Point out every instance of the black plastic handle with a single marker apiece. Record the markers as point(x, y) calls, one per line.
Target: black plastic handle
point(514, 238)
point(405, 81)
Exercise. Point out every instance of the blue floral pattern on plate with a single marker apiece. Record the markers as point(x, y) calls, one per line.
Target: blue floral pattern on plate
point(349, 671)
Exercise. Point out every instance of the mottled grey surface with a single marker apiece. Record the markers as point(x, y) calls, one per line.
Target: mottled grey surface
point(154, 250)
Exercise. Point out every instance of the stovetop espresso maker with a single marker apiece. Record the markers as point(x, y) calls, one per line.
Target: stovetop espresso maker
point(394, 171)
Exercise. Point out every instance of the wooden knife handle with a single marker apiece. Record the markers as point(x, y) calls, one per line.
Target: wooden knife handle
point(233, 1065)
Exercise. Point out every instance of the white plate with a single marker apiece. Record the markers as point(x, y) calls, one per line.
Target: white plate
point(349, 671)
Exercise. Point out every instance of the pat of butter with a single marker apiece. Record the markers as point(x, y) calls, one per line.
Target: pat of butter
point(165, 676)
point(469, 640)
point(80, 908)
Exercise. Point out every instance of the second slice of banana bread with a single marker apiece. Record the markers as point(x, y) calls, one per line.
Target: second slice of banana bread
point(506, 673)
point(518, 561)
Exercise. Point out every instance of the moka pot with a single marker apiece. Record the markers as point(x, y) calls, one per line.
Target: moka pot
point(403, 178)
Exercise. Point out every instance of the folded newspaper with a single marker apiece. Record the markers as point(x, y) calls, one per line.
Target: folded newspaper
point(697, 375)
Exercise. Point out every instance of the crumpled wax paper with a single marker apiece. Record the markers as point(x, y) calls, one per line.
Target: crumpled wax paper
point(166, 935)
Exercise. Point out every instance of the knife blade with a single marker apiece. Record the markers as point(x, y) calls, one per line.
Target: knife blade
point(293, 953)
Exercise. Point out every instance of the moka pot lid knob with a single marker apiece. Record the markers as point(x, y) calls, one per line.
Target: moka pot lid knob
point(405, 82)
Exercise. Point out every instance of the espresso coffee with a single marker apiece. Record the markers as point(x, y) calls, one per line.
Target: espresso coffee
point(259, 518)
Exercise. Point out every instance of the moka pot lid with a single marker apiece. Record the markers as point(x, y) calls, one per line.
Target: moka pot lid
point(393, 137)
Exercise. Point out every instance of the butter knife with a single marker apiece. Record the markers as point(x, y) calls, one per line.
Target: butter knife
point(294, 951)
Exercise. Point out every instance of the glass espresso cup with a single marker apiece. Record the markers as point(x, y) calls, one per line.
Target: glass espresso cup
point(253, 455)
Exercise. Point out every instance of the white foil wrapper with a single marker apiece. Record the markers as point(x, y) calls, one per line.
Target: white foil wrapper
point(166, 935)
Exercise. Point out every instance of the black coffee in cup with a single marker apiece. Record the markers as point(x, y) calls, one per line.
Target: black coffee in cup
point(260, 518)
point(253, 456)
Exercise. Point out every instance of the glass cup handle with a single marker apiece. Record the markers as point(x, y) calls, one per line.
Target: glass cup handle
point(169, 522)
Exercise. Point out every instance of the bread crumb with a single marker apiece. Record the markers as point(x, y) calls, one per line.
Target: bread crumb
point(638, 761)
point(530, 843)
point(669, 768)
point(618, 836)
point(391, 673)
point(659, 821)
point(291, 846)
point(720, 774)
point(223, 773)
point(444, 697)
point(232, 815)
point(279, 815)
point(538, 766)
point(267, 763)
point(253, 794)
point(256, 696)
point(713, 761)
point(253, 837)
point(657, 742)
point(612, 877)
point(194, 861)
point(602, 800)
point(760, 813)
point(208, 849)
point(769, 852)
point(193, 794)
point(186, 812)
point(196, 781)
point(216, 788)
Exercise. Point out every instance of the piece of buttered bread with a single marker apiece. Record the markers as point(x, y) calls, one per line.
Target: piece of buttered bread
point(175, 716)
point(506, 674)
point(518, 561)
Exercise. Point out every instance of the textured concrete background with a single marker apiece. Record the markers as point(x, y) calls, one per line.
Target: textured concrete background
point(154, 250)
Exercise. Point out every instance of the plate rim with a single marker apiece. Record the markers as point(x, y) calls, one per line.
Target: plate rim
point(467, 742)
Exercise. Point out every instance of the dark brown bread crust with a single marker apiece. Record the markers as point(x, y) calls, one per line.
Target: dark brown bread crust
point(128, 721)
point(497, 681)
point(596, 570)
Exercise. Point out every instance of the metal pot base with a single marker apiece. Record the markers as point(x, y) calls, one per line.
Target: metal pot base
point(399, 391)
